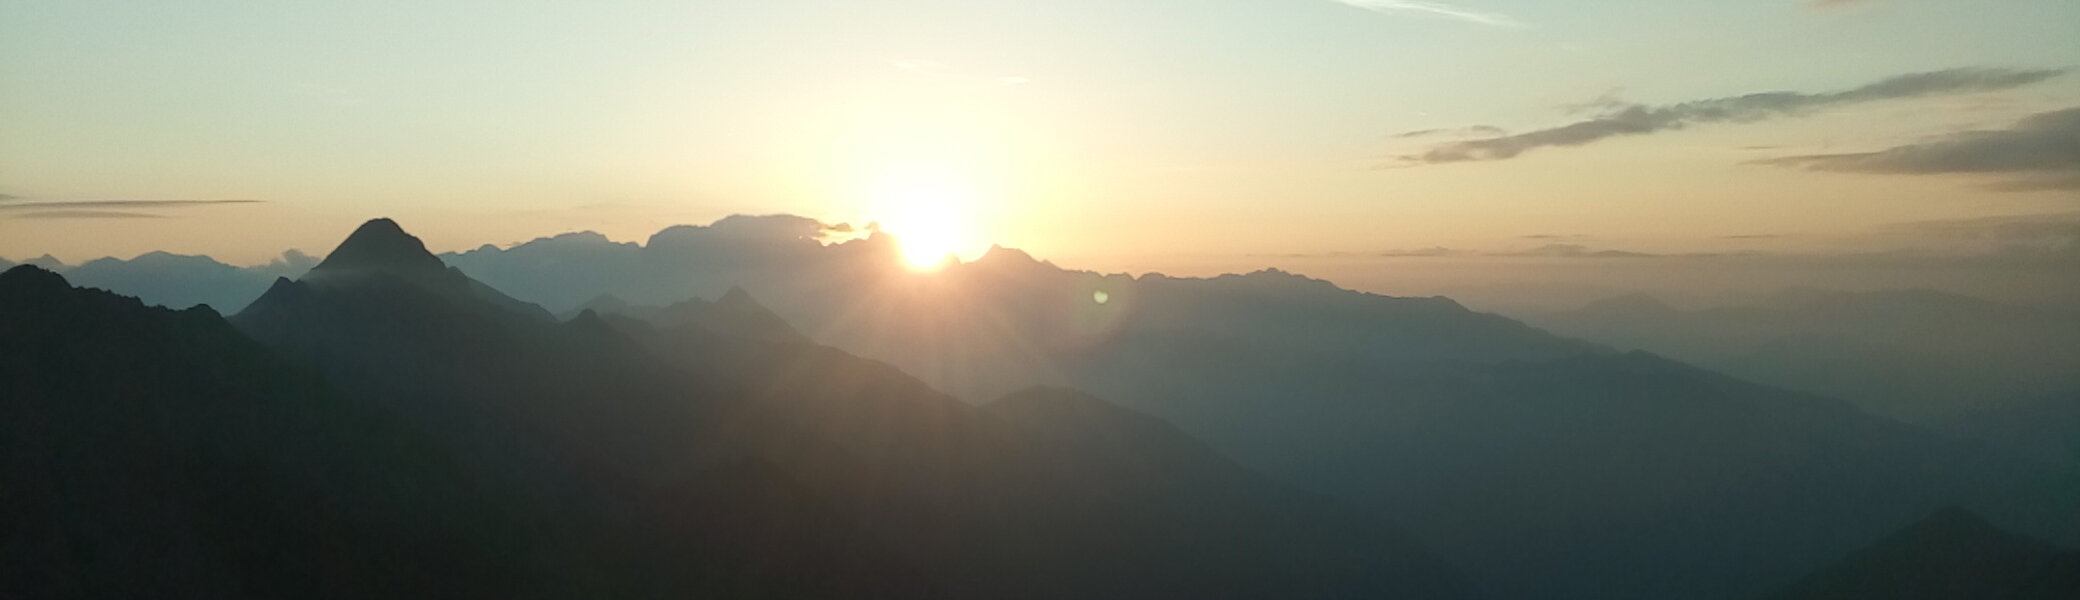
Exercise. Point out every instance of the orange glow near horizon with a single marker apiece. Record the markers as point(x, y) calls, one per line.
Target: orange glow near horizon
point(931, 210)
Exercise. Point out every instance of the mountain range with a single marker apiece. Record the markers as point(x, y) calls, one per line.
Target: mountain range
point(1263, 434)
point(1919, 355)
point(469, 444)
point(1543, 466)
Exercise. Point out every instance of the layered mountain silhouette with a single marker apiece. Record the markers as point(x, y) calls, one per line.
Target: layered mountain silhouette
point(1920, 355)
point(155, 453)
point(178, 280)
point(1274, 435)
point(735, 313)
point(2047, 429)
point(431, 435)
point(1951, 555)
point(1544, 466)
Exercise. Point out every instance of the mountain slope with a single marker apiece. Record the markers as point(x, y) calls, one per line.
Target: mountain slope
point(1952, 554)
point(972, 502)
point(2047, 429)
point(1921, 355)
point(163, 454)
point(160, 453)
point(1546, 467)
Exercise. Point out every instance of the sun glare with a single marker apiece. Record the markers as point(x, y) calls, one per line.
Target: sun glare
point(929, 214)
point(934, 176)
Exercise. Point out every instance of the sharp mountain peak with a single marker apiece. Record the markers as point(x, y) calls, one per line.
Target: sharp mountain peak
point(381, 244)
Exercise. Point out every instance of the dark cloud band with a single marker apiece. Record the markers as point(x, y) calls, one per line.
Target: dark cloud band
point(2043, 150)
point(105, 204)
point(1640, 119)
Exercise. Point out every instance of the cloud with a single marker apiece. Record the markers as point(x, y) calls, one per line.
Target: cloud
point(1574, 251)
point(1434, 9)
point(2042, 150)
point(1469, 131)
point(1424, 252)
point(132, 204)
point(2043, 235)
point(85, 214)
point(1640, 119)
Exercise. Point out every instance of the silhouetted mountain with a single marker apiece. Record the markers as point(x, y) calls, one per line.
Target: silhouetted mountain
point(180, 281)
point(1951, 555)
point(982, 508)
point(154, 453)
point(2047, 429)
point(46, 262)
point(735, 314)
point(1916, 354)
point(609, 304)
point(173, 280)
point(1544, 466)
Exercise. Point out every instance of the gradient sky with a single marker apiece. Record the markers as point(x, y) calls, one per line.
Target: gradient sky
point(1104, 130)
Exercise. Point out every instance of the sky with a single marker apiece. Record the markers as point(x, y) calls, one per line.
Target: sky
point(1133, 134)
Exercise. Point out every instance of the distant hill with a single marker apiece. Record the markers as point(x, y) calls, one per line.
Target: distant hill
point(736, 313)
point(1920, 355)
point(1544, 466)
point(980, 507)
point(1951, 555)
point(179, 281)
point(2047, 429)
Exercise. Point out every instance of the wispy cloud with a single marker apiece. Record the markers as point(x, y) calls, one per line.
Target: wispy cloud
point(1469, 131)
point(9, 204)
point(1639, 119)
point(1435, 9)
point(2041, 151)
point(86, 214)
point(1575, 251)
point(1432, 251)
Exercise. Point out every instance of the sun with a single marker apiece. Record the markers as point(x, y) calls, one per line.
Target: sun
point(931, 214)
point(935, 176)
point(928, 241)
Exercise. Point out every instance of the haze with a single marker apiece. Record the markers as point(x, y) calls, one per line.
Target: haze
point(1129, 300)
point(1223, 133)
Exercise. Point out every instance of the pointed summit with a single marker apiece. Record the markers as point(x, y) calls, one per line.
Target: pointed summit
point(381, 245)
point(999, 256)
point(736, 313)
point(738, 299)
point(381, 260)
point(48, 262)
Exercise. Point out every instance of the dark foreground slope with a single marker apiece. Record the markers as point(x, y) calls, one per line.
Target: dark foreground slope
point(160, 453)
point(153, 453)
point(1951, 555)
point(978, 506)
